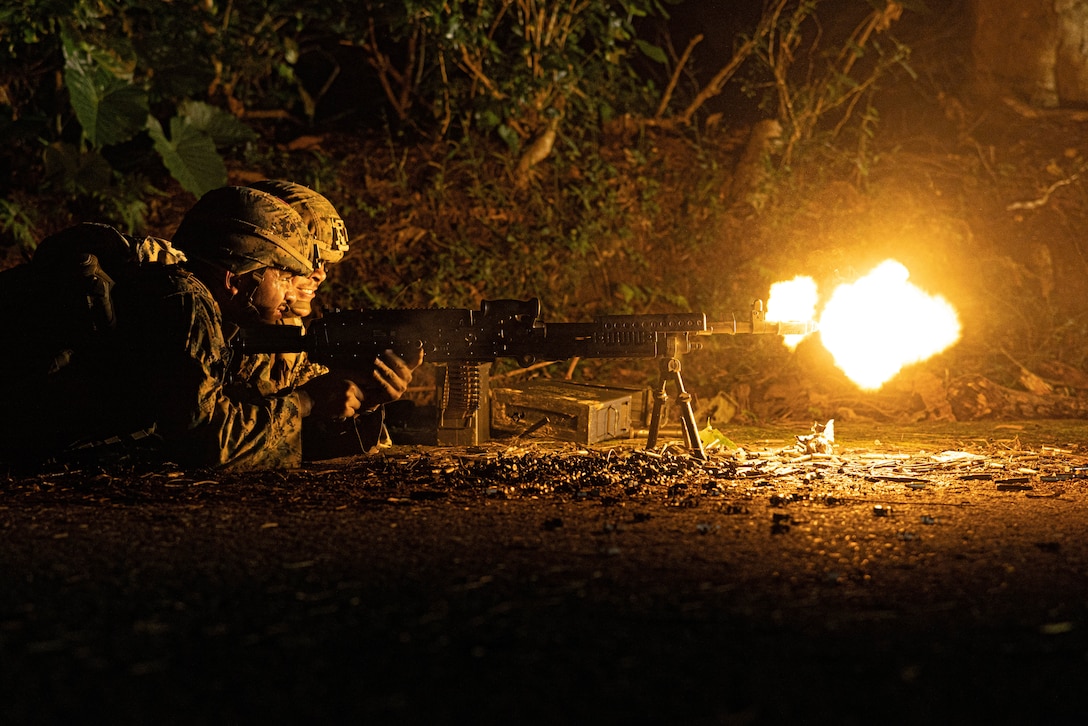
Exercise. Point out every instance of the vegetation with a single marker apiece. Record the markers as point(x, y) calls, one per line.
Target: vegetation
point(115, 90)
point(590, 153)
point(101, 98)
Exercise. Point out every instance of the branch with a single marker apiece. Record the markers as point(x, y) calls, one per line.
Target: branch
point(766, 25)
point(1042, 200)
point(716, 84)
point(381, 63)
point(667, 95)
point(477, 73)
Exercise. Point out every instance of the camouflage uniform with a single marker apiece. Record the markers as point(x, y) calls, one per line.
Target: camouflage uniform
point(324, 439)
point(205, 417)
point(164, 366)
point(329, 238)
point(253, 426)
point(273, 372)
point(164, 370)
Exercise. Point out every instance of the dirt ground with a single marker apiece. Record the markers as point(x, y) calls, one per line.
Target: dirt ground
point(922, 573)
point(919, 574)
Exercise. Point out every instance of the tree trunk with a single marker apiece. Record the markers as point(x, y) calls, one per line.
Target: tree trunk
point(1035, 50)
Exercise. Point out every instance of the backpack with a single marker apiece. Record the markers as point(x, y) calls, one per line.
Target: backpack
point(60, 302)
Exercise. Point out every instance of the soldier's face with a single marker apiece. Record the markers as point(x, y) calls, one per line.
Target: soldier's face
point(305, 289)
point(274, 295)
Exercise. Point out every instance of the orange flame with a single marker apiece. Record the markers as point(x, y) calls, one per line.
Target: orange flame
point(792, 300)
point(873, 327)
point(878, 325)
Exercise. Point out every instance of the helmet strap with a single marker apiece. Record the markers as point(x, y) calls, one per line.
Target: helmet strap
point(241, 299)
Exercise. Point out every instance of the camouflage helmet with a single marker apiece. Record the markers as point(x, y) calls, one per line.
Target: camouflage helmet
point(327, 228)
point(243, 230)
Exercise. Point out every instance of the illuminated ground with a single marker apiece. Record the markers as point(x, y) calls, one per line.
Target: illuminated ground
point(449, 586)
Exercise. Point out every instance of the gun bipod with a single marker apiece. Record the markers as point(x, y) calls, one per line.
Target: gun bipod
point(671, 372)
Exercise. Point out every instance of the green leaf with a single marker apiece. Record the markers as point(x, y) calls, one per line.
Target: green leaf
point(68, 168)
point(487, 119)
point(117, 59)
point(653, 52)
point(509, 136)
point(224, 128)
point(110, 109)
point(190, 155)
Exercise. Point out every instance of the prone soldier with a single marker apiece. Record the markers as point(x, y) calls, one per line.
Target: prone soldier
point(385, 379)
point(161, 371)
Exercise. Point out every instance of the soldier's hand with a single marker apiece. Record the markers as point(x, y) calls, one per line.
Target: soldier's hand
point(331, 396)
point(390, 377)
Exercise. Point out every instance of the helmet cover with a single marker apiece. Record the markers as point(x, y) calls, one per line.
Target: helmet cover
point(243, 230)
point(325, 224)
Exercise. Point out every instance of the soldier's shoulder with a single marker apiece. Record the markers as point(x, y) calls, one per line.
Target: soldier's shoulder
point(169, 279)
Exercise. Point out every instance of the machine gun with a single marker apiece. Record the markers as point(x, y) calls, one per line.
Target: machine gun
point(511, 329)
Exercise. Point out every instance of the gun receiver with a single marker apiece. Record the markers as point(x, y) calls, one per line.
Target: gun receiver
point(511, 329)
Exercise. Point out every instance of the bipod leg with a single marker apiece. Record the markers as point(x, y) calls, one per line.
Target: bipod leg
point(660, 397)
point(670, 371)
point(687, 414)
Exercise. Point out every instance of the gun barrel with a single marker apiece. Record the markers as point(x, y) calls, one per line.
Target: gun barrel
point(761, 327)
